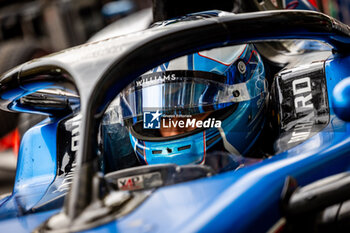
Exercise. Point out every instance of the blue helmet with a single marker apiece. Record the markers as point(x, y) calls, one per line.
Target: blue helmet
point(178, 111)
point(183, 109)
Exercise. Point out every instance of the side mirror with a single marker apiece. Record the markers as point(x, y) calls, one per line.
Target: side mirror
point(48, 90)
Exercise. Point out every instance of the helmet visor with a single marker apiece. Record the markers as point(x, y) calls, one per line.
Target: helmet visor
point(186, 92)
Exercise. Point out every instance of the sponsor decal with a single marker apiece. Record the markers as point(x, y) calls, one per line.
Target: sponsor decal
point(302, 103)
point(130, 183)
point(67, 152)
point(176, 76)
point(148, 180)
point(75, 134)
point(157, 78)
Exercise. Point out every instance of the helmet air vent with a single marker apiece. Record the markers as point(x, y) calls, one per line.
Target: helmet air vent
point(184, 148)
point(156, 152)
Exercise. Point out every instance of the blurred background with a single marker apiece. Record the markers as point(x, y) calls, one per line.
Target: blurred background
point(33, 28)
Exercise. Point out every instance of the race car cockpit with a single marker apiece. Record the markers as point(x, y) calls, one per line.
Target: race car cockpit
point(223, 108)
point(233, 113)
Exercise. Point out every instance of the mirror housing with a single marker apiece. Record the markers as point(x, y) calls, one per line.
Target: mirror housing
point(47, 90)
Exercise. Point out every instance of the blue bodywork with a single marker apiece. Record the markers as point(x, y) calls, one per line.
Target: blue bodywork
point(232, 200)
point(36, 170)
point(246, 200)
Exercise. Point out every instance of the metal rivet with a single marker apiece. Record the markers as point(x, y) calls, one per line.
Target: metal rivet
point(242, 68)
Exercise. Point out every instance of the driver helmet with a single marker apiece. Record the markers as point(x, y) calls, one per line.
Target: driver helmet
point(183, 109)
